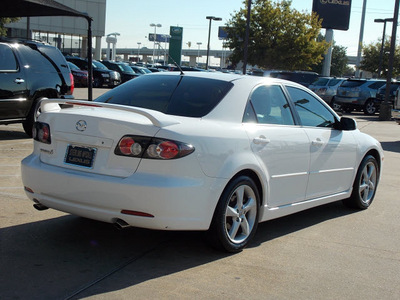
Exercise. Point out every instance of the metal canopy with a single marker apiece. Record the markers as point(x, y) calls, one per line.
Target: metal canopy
point(41, 8)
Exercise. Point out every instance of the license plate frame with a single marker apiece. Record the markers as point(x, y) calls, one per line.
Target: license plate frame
point(80, 156)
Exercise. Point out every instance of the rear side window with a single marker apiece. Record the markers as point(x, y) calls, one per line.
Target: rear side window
point(268, 105)
point(321, 81)
point(376, 85)
point(55, 55)
point(7, 59)
point(174, 95)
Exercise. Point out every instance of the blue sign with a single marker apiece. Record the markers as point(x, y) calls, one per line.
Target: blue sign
point(161, 38)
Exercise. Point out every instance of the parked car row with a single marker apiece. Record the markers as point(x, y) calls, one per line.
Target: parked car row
point(354, 94)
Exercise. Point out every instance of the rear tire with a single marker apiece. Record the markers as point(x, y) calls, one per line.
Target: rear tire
point(365, 184)
point(235, 219)
point(30, 118)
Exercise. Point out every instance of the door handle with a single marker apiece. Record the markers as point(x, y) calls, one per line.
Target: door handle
point(318, 142)
point(19, 80)
point(262, 140)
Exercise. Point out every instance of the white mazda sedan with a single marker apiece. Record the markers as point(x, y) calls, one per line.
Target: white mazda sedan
point(198, 151)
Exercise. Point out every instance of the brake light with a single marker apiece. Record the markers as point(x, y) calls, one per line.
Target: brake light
point(152, 148)
point(41, 132)
point(71, 78)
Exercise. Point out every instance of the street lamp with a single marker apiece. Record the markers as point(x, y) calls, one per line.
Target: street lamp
point(138, 50)
point(198, 52)
point(383, 41)
point(209, 33)
point(155, 38)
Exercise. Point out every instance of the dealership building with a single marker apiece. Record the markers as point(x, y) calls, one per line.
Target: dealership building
point(69, 34)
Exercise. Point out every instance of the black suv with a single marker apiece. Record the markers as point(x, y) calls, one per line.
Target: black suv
point(303, 77)
point(123, 69)
point(30, 71)
point(101, 74)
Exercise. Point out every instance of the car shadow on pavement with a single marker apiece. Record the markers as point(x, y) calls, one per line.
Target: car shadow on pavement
point(391, 146)
point(72, 258)
point(12, 135)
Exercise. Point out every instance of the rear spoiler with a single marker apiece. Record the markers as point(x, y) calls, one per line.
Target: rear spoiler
point(157, 118)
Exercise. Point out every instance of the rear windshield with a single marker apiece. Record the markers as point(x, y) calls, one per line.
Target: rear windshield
point(352, 83)
point(321, 81)
point(173, 95)
point(333, 82)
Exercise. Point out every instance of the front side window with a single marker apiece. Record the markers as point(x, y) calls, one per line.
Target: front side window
point(310, 110)
point(268, 105)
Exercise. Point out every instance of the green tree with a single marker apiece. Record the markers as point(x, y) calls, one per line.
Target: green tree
point(339, 60)
point(279, 37)
point(3, 21)
point(371, 58)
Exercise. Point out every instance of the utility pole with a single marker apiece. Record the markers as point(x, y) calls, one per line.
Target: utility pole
point(360, 41)
point(386, 106)
point(246, 39)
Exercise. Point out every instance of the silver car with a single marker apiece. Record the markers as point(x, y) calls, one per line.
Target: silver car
point(326, 88)
point(359, 94)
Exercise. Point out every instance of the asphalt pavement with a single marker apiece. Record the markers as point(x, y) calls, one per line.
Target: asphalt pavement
point(328, 252)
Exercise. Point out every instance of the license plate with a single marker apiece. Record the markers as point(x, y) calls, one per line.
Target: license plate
point(80, 156)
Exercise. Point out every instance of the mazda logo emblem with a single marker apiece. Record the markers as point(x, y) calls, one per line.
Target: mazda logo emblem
point(81, 125)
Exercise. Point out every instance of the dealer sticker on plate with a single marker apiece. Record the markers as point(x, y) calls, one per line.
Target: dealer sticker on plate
point(80, 156)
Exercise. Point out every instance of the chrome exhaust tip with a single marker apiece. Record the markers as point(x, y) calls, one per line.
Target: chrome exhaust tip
point(40, 206)
point(121, 224)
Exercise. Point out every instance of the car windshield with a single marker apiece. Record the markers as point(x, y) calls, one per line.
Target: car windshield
point(174, 95)
point(321, 81)
point(125, 68)
point(98, 65)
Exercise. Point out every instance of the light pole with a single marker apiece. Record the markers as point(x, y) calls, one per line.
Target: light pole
point(198, 52)
point(138, 50)
point(155, 38)
point(383, 41)
point(211, 18)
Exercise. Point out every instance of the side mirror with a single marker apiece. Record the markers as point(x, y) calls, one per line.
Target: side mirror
point(347, 124)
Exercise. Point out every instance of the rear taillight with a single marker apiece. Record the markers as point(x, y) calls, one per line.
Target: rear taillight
point(71, 77)
point(41, 132)
point(152, 148)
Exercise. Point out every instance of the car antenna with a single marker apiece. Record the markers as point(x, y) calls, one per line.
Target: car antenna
point(169, 56)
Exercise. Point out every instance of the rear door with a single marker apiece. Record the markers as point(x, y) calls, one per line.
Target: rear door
point(13, 86)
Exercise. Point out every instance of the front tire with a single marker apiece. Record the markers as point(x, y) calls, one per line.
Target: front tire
point(369, 107)
point(365, 184)
point(235, 219)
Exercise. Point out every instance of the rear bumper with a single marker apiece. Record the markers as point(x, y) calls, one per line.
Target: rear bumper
point(350, 101)
point(175, 203)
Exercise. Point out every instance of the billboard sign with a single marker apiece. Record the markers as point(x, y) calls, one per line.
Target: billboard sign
point(175, 44)
point(222, 34)
point(335, 14)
